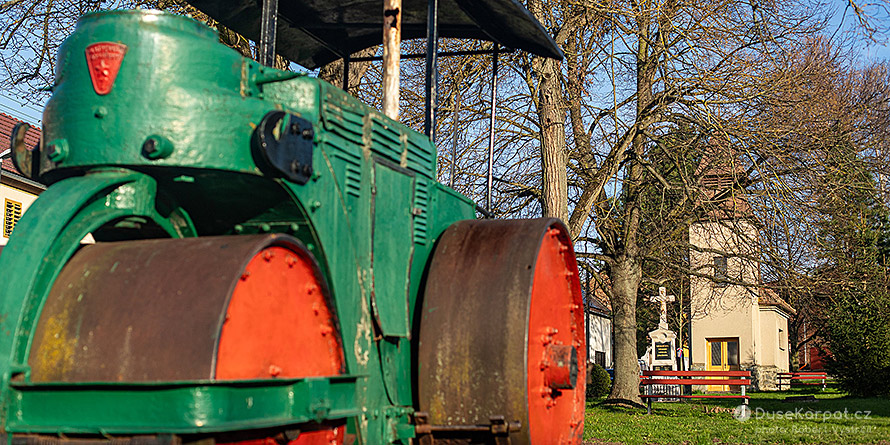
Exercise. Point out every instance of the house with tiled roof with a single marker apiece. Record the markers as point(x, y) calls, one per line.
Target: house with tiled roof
point(16, 192)
point(738, 323)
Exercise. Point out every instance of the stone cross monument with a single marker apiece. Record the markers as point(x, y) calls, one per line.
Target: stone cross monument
point(663, 298)
point(664, 341)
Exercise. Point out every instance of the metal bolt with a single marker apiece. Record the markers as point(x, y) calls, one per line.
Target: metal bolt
point(274, 371)
point(307, 170)
point(308, 133)
point(245, 275)
point(311, 288)
point(156, 147)
point(267, 255)
point(150, 147)
point(290, 260)
point(546, 392)
point(57, 150)
point(325, 330)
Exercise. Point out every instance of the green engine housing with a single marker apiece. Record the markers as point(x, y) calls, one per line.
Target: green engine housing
point(173, 149)
point(161, 138)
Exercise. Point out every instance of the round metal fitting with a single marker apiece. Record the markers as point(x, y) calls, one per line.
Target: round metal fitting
point(156, 147)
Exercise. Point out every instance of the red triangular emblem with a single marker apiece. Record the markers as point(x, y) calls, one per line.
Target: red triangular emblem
point(104, 60)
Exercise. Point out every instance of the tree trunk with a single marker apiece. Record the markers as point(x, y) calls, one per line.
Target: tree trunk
point(627, 269)
point(553, 142)
point(333, 72)
point(552, 118)
point(625, 275)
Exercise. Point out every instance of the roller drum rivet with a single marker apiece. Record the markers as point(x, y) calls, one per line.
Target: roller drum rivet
point(545, 392)
point(274, 371)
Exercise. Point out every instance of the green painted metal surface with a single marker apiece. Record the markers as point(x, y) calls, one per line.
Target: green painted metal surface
point(178, 86)
point(391, 258)
point(177, 407)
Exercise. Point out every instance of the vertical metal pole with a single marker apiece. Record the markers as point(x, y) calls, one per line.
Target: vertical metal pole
point(392, 38)
point(432, 68)
point(268, 28)
point(455, 136)
point(494, 91)
point(346, 73)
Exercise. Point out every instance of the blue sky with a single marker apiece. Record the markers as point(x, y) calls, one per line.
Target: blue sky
point(871, 51)
point(13, 107)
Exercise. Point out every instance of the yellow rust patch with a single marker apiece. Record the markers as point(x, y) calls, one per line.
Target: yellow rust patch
point(56, 355)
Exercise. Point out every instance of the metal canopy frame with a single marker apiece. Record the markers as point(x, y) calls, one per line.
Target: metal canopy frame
point(313, 33)
point(528, 35)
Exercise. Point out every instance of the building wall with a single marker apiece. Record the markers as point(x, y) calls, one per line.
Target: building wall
point(600, 329)
point(724, 310)
point(774, 338)
point(10, 190)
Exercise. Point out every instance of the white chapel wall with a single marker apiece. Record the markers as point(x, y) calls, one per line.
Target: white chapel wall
point(722, 310)
point(774, 337)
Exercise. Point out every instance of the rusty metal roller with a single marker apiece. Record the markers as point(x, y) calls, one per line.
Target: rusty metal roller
point(501, 334)
point(234, 307)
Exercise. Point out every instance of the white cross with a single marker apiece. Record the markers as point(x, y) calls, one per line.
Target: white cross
point(663, 298)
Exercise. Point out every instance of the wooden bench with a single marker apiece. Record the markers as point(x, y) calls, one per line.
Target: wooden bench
point(695, 378)
point(802, 378)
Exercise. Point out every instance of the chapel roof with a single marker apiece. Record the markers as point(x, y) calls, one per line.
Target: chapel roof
point(722, 177)
point(769, 297)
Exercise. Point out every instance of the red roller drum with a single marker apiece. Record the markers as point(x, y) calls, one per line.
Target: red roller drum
point(279, 325)
point(502, 334)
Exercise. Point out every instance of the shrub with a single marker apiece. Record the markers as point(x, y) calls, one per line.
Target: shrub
point(858, 337)
point(598, 382)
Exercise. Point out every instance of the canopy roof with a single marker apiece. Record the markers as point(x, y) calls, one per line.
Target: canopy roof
point(313, 33)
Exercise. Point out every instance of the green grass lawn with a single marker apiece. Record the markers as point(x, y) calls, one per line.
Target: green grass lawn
point(833, 418)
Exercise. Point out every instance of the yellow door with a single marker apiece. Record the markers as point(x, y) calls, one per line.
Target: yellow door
point(723, 355)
